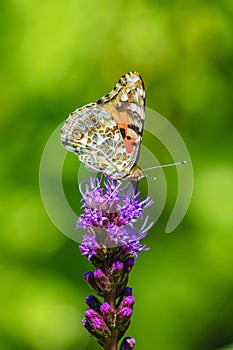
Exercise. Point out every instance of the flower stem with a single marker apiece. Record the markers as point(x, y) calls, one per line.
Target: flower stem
point(111, 298)
point(112, 342)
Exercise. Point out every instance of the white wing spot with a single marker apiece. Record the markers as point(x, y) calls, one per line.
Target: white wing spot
point(124, 97)
point(141, 92)
point(133, 79)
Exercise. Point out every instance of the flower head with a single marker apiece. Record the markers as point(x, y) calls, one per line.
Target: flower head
point(108, 217)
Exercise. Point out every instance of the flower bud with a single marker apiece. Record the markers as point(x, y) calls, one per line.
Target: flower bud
point(127, 291)
point(89, 277)
point(108, 313)
point(126, 302)
point(116, 271)
point(128, 265)
point(93, 303)
point(128, 344)
point(102, 280)
point(123, 316)
point(95, 320)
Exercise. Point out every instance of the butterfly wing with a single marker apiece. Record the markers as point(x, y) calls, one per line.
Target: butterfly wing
point(106, 135)
point(93, 135)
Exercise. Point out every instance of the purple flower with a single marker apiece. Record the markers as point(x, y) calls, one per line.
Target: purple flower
point(108, 217)
point(110, 205)
point(112, 244)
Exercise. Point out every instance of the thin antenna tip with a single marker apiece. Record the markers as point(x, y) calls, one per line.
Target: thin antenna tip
point(166, 165)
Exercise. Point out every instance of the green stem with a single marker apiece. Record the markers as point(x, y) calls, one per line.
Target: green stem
point(111, 344)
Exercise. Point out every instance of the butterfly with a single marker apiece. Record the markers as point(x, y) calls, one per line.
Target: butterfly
point(107, 135)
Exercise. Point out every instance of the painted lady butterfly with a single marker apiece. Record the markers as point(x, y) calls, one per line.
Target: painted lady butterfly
point(107, 135)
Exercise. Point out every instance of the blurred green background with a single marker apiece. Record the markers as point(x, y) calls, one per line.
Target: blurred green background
point(59, 55)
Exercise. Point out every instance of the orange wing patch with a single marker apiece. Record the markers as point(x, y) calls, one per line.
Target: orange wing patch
point(130, 137)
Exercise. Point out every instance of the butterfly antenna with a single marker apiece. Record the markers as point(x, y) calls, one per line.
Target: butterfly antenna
point(166, 165)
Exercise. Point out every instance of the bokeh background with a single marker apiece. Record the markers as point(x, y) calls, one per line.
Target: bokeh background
point(59, 55)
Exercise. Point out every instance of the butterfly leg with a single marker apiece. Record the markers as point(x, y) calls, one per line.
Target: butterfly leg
point(101, 177)
point(99, 180)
